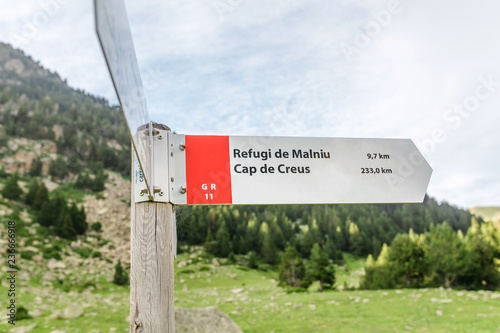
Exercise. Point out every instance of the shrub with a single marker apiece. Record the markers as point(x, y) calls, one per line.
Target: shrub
point(96, 226)
point(264, 267)
point(83, 252)
point(186, 271)
point(231, 258)
point(96, 254)
point(51, 252)
point(296, 290)
point(12, 190)
point(27, 254)
point(22, 313)
point(121, 276)
point(252, 260)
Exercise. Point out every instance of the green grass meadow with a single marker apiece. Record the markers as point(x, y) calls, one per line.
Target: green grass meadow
point(255, 302)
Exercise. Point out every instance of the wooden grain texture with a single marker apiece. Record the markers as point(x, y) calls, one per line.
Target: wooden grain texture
point(152, 268)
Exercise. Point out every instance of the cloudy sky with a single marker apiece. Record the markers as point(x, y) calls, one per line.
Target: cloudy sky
point(425, 70)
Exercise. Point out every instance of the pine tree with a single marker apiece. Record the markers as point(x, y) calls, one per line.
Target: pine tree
point(98, 184)
point(53, 212)
point(292, 271)
point(408, 257)
point(481, 260)
point(47, 215)
point(383, 256)
point(340, 239)
point(223, 244)
point(210, 245)
point(252, 260)
point(36, 167)
point(333, 252)
point(121, 276)
point(83, 181)
point(277, 235)
point(58, 169)
point(318, 268)
point(252, 235)
point(445, 253)
point(12, 190)
point(269, 250)
point(307, 242)
point(355, 239)
point(30, 197)
point(66, 228)
point(79, 219)
point(41, 196)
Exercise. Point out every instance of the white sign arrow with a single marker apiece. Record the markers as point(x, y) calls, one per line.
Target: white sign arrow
point(294, 170)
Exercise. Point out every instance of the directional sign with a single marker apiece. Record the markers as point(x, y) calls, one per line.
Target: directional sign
point(292, 170)
point(116, 42)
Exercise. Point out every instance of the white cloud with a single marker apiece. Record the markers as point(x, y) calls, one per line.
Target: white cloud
point(277, 68)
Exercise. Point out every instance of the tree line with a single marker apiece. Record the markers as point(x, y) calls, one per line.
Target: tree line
point(438, 257)
point(267, 230)
point(289, 236)
point(64, 219)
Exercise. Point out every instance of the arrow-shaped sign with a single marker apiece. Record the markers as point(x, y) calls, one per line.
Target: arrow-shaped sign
point(205, 170)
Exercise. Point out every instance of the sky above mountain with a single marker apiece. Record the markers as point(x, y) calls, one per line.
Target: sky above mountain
point(425, 70)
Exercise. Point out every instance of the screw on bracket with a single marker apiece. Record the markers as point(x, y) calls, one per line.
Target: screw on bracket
point(182, 146)
point(143, 191)
point(183, 189)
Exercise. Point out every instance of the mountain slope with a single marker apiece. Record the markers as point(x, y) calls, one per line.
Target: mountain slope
point(36, 104)
point(58, 135)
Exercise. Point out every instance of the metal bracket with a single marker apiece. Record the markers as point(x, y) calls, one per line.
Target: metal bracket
point(169, 170)
point(160, 182)
point(177, 167)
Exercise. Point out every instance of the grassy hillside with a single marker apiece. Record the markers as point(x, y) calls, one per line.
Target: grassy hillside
point(253, 300)
point(256, 304)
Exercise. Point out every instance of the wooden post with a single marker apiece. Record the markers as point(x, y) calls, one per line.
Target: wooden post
point(152, 267)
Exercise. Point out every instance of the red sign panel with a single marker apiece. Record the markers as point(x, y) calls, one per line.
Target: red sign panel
point(208, 170)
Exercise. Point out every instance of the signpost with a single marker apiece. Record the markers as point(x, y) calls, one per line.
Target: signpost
point(153, 221)
point(170, 169)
